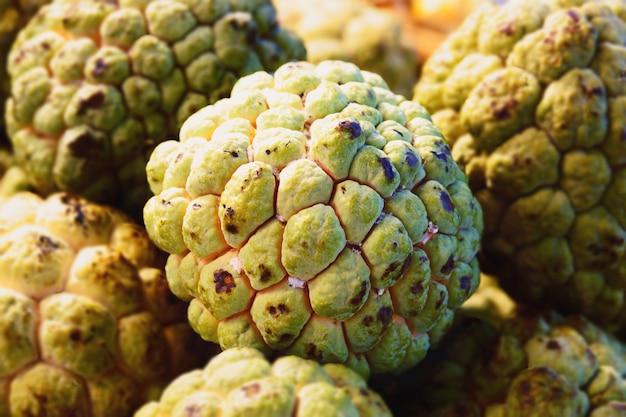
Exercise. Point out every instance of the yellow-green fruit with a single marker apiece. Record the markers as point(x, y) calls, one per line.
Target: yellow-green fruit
point(14, 14)
point(530, 96)
point(88, 326)
point(354, 31)
point(96, 84)
point(242, 382)
point(316, 213)
point(525, 363)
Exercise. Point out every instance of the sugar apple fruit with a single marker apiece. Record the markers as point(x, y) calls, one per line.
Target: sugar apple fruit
point(13, 17)
point(529, 363)
point(354, 31)
point(316, 213)
point(97, 83)
point(531, 96)
point(88, 326)
point(242, 382)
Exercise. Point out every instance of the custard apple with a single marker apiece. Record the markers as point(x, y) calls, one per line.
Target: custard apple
point(14, 14)
point(354, 31)
point(88, 326)
point(95, 84)
point(532, 97)
point(242, 382)
point(316, 213)
point(532, 362)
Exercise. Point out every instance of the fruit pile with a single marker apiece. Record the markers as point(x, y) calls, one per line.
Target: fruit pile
point(282, 208)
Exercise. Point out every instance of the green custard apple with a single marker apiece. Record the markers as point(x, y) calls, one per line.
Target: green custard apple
point(14, 14)
point(354, 31)
point(527, 362)
point(88, 326)
point(242, 382)
point(95, 84)
point(532, 97)
point(316, 213)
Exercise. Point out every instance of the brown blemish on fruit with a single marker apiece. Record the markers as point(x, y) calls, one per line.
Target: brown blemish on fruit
point(448, 266)
point(353, 128)
point(224, 281)
point(358, 298)
point(417, 288)
point(384, 315)
point(553, 345)
point(442, 297)
point(75, 335)
point(46, 245)
point(251, 389)
point(82, 145)
point(266, 274)
point(99, 68)
point(95, 101)
point(312, 352)
point(276, 311)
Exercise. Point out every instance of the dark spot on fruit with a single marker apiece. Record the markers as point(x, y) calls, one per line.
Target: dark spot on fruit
point(229, 211)
point(75, 335)
point(553, 345)
point(388, 168)
point(364, 392)
point(266, 274)
point(442, 156)
point(251, 389)
point(447, 267)
point(234, 154)
point(193, 410)
point(573, 15)
point(196, 206)
point(351, 127)
point(417, 288)
point(446, 201)
point(95, 101)
point(384, 315)
point(285, 337)
point(224, 281)
point(525, 387)
point(411, 159)
point(99, 68)
point(358, 298)
point(46, 245)
point(465, 282)
point(179, 156)
point(82, 145)
point(231, 228)
point(507, 29)
point(503, 111)
point(276, 311)
point(439, 303)
point(267, 152)
point(367, 320)
point(312, 352)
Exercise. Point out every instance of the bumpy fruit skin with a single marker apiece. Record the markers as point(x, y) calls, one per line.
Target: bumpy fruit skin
point(354, 31)
point(529, 93)
point(14, 14)
point(316, 213)
point(88, 326)
point(242, 382)
point(528, 363)
point(97, 84)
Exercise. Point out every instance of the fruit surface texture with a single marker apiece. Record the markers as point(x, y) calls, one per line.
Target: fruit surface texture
point(316, 213)
point(88, 326)
point(96, 84)
point(532, 98)
point(242, 382)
